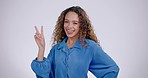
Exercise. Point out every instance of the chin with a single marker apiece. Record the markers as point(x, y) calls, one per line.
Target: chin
point(70, 36)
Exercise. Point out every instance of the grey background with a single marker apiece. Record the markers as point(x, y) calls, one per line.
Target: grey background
point(121, 26)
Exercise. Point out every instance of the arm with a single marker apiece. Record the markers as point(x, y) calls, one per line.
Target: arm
point(41, 66)
point(102, 65)
point(39, 38)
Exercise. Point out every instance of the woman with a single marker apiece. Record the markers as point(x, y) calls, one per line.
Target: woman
point(76, 50)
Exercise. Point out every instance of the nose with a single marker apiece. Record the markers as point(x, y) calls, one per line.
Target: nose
point(69, 24)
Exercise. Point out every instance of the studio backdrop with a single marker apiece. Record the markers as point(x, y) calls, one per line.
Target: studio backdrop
point(120, 25)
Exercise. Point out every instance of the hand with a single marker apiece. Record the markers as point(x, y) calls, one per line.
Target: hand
point(39, 38)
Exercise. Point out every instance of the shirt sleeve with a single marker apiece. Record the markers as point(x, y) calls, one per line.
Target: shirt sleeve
point(43, 68)
point(102, 65)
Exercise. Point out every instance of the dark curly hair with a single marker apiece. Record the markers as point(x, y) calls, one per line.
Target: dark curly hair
point(86, 29)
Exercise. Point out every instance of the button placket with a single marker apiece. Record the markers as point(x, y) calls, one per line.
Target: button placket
point(66, 51)
point(67, 59)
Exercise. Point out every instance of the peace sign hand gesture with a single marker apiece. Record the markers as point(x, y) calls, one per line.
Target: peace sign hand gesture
point(39, 38)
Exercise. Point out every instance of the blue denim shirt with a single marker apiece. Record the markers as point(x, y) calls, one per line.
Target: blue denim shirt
point(75, 62)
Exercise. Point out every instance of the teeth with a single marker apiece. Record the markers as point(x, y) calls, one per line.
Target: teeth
point(70, 30)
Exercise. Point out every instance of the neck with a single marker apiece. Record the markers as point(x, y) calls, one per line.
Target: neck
point(71, 42)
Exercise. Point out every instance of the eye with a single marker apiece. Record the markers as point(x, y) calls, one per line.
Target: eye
point(75, 23)
point(65, 21)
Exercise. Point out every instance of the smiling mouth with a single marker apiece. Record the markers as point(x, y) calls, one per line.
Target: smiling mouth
point(69, 31)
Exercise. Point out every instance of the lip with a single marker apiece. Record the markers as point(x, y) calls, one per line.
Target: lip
point(69, 31)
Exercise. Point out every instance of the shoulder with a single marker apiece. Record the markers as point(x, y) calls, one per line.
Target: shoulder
point(91, 42)
point(58, 45)
point(53, 50)
point(93, 45)
point(55, 46)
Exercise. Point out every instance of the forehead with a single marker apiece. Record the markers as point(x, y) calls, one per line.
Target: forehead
point(72, 16)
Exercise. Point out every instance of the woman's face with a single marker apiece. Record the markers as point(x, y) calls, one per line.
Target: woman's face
point(71, 25)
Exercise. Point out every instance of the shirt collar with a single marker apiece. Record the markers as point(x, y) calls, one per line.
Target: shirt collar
point(76, 45)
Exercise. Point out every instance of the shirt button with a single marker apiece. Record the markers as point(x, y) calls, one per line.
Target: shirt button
point(63, 49)
point(67, 58)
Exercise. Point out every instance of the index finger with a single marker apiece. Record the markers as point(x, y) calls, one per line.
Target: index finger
point(37, 31)
point(41, 29)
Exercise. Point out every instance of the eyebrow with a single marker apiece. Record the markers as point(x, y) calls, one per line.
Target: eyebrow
point(72, 20)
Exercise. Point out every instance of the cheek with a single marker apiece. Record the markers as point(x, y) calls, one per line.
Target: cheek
point(77, 28)
point(64, 27)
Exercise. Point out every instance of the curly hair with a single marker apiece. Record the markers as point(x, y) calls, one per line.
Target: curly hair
point(86, 29)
